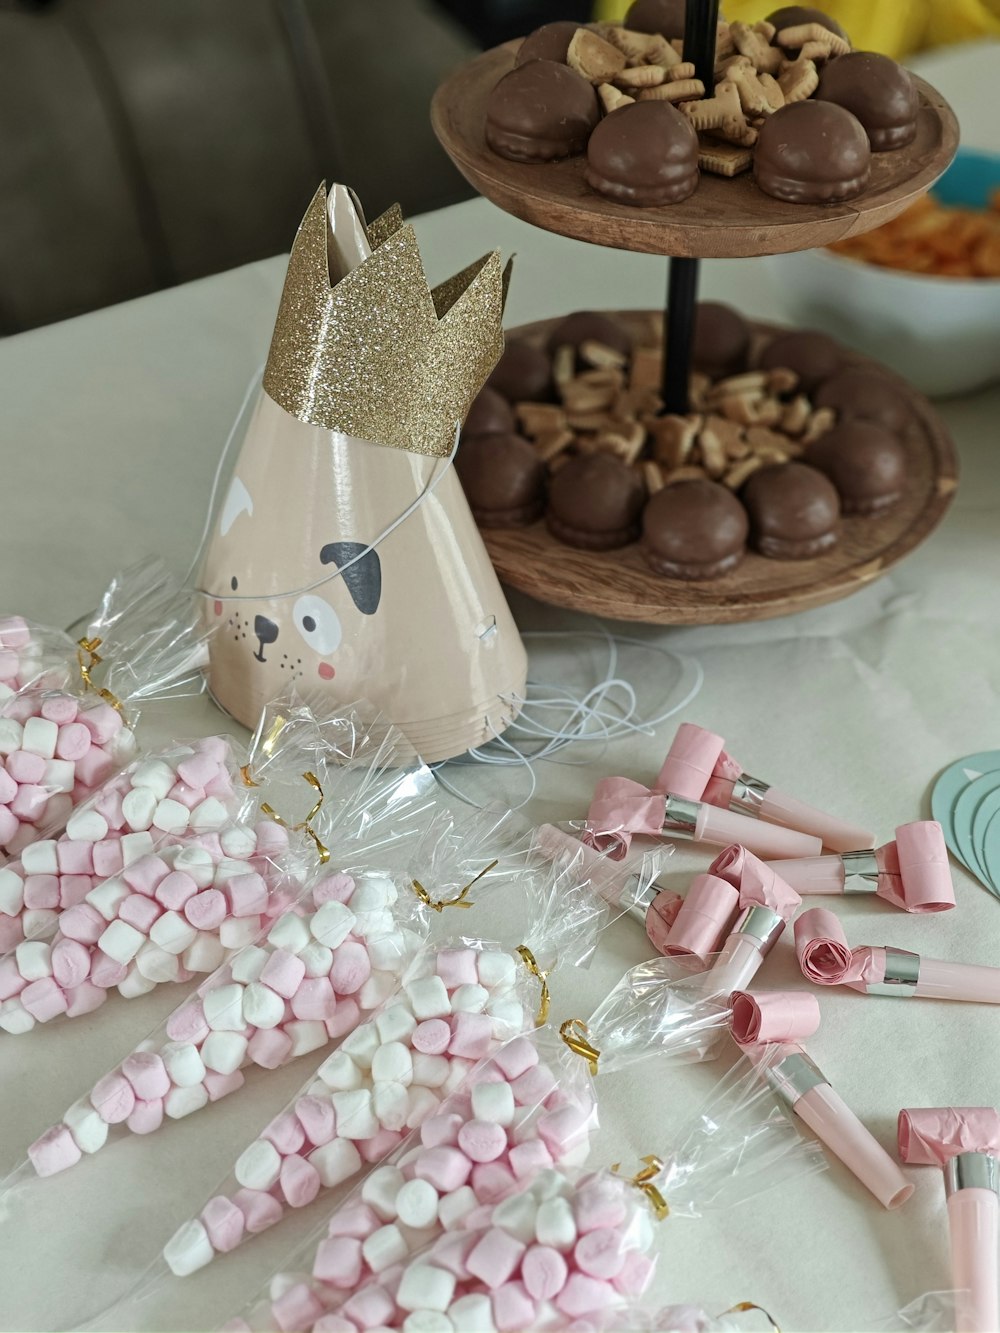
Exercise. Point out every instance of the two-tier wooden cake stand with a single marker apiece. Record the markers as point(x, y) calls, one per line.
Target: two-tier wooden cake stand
point(724, 218)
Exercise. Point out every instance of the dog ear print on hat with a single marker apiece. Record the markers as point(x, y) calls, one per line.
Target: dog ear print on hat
point(363, 578)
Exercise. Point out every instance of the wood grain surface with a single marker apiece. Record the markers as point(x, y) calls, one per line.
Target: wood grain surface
point(724, 218)
point(620, 585)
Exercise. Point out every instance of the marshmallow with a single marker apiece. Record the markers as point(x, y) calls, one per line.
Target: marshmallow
point(493, 1101)
point(59, 775)
point(482, 1141)
point(339, 1262)
point(384, 1248)
point(197, 863)
point(395, 1024)
point(289, 933)
point(555, 1225)
point(425, 1287)
point(497, 970)
point(422, 1103)
point(121, 941)
point(247, 966)
point(456, 1205)
point(517, 1216)
point(188, 1249)
point(362, 1044)
point(258, 1166)
point(180, 1102)
point(283, 972)
point(262, 1007)
point(380, 1190)
point(224, 1052)
point(473, 1314)
point(11, 892)
point(16, 1020)
point(428, 998)
point(338, 1071)
point(388, 952)
point(377, 989)
point(238, 842)
point(171, 816)
point(317, 959)
point(470, 999)
point(300, 1181)
point(336, 1161)
point(86, 825)
point(417, 1204)
point(113, 1098)
point(237, 934)
point(306, 1036)
point(155, 964)
point(210, 814)
point(154, 774)
point(34, 960)
point(430, 1071)
point(331, 924)
point(89, 1129)
point(147, 1074)
point(183, 1063)
point(39, 737)
point(392, 1105)
point(205, 954)
point(138, 807)
point(170, 931)
point(393, 1063)
point(40, 858)
point(223, 1008)
point(356, 1118)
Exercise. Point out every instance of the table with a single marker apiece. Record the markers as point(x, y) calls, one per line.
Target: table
point(110, 431)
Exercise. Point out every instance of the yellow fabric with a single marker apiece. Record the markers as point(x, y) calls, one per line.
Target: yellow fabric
point(894, 27)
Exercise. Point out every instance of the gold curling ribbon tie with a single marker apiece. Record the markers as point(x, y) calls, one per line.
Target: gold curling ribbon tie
point(439, 904)
point(304, 825)
point(88, 657)
point(643, 1180)
point(744, 1306)
point(544, 1000)
point(575, 1034)
point(267, 749)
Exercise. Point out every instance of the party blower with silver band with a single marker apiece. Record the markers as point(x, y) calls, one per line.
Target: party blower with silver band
point(621, 808)
point(637, 895)
point(826, 959)
point(965, 1141)
point(911, 872)
point(772, 1024)
point(766, 904)
point(698, 768)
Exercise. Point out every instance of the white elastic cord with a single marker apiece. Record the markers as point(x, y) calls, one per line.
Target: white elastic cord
point(430, 486)
point(595, 716)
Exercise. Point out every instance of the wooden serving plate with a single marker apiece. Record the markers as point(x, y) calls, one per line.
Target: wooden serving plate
point(620, 585)
point(724, 218)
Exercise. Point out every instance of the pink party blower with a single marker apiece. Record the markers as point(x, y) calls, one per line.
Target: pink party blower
point(698, 769)
point(911, 873)
point(621, 808)
point(766, 905)
point(826, 959)
point(786, 1018)
point(965, 1140)
point(648, 902)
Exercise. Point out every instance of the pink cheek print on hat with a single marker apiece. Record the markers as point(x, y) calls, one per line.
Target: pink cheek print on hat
point(698, 768)
point(771, 1025)
point(912, 872)
point(965, 1142)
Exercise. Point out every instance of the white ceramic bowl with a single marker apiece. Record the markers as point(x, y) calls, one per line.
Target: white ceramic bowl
point(942, 334)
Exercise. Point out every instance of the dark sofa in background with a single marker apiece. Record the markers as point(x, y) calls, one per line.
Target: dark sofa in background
point(148, 142)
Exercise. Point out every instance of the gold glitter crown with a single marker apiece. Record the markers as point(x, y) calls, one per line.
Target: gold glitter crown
point(378, 354)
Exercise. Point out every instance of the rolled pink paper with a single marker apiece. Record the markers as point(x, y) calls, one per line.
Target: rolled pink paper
point(826, 959)
point(965, 1141)
point(773, 1016)
point(767, 903)
point(703, 918)
point(912, 872)
point(804, 1088)
point(621, 808)
point(697, 767)
point(654, 906)
point(690, 762)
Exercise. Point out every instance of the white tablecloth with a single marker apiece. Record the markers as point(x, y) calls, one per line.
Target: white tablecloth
point(110, 429)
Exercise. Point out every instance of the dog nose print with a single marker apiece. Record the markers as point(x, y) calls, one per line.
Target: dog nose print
point(266, 631)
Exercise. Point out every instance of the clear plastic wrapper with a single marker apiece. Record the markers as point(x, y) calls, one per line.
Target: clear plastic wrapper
point(540, 1102)
point(570, 1246)
point(302, 984)
point(167, 901)
point(58, 745)
point(934, 1312)
point(744, 1317)
point(33, 656)
point(459, 1000)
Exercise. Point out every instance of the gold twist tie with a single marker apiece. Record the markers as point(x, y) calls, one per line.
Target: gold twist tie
point(544, 1000)
point(574, 1033)
point(305, 824)
point(87, 663)
point(744, 1306)
point(643, 1180)
point(267, 749)
point(438, 905)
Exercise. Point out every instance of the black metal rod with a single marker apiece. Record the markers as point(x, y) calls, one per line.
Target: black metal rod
point(701, 18)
